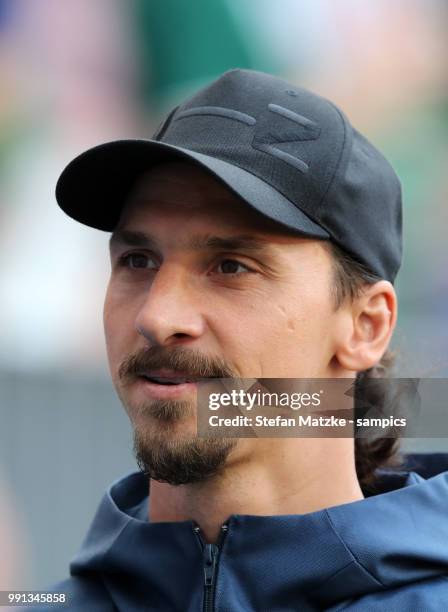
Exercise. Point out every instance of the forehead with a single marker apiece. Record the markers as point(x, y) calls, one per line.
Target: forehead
point(183, 188)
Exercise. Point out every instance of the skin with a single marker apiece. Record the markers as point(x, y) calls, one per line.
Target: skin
point(271, 314)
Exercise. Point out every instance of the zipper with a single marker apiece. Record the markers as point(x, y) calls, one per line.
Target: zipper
point(210, 563)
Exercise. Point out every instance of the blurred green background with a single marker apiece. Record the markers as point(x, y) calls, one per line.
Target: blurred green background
point(76, 73)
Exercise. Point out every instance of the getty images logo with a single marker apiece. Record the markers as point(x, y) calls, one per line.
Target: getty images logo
point(248, 400)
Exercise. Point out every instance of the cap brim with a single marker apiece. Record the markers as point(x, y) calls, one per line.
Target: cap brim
point(93, 187)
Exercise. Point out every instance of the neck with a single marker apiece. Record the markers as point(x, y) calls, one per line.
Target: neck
point(283, 476)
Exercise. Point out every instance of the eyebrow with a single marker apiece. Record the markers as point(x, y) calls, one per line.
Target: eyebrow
point(196, 243)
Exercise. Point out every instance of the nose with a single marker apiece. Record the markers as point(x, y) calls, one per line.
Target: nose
point(170, 312)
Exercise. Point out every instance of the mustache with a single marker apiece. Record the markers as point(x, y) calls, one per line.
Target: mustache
point(190, 361)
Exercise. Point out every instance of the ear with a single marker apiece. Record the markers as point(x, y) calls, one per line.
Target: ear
point(371, 320)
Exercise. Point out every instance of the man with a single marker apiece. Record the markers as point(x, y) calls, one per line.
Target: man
point(257, 235)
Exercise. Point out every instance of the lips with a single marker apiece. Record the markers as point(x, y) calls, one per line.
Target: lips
point(168, 377)
point(167, 381)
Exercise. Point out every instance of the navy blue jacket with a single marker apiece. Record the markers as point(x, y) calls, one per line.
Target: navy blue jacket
point(387, 552)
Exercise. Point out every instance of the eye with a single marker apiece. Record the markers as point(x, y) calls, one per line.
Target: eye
point(136, 261)
point(232, 266)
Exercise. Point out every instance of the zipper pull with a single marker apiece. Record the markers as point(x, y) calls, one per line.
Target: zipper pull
point(210, 557)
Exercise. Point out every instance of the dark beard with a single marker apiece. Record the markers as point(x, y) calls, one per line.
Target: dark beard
point(180, 461)
point(161, 452)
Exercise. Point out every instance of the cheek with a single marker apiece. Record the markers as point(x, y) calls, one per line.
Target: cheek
point(287, 338)
point(237, 328)
point(304, 333)
point(119, 329)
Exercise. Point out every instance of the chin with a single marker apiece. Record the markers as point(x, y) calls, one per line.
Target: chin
point(180, 460)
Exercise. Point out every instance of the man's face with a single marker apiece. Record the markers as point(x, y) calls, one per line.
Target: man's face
point(201, 286)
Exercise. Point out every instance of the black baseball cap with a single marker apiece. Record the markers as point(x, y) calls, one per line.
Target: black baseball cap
point(287, 152)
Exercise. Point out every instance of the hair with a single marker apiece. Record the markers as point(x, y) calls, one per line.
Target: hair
point(350, 278)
